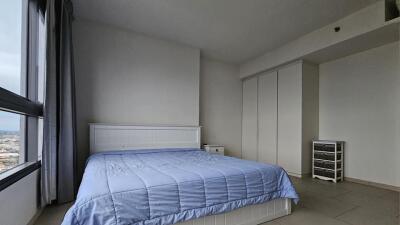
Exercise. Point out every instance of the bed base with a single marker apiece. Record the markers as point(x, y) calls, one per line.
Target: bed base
point(249, 215)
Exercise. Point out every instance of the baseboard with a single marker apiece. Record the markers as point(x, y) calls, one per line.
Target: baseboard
point(358, 181)
point(299, 175)
point(373, 184)
point(36, 216)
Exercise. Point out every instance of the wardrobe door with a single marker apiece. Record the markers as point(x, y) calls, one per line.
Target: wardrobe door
point(249, 119)
point(290, 118)
point(267, 117)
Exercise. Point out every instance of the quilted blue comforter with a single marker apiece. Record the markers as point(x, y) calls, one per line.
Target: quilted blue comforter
point(171, 185)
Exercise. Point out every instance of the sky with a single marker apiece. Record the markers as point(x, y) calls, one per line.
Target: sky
point(10, 56)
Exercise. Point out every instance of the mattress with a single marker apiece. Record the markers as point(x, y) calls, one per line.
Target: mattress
point(168, 186)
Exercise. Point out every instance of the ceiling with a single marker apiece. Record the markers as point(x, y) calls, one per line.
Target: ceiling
point(228, 30)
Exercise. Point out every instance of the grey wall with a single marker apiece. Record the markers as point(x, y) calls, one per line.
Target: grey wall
point(359, 104)
point(125, 77)
point(221, 105)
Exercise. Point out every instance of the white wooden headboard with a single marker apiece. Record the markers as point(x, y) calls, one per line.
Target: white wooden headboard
point(107, 137)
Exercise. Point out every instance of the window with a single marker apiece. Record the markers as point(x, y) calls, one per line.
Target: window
point(10, 45)
point(10, 144)
point(21, 77)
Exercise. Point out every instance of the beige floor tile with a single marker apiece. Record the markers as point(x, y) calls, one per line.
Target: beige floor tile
point(363, 216)
point(328, 206)
point(326, 190)
point(308, 217)
point(364, 189)
point(320, 187)
point(371, 202)
point(53, 215)
point(392, 196)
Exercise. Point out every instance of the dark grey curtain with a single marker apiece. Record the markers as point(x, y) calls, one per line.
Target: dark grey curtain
point(59, 151)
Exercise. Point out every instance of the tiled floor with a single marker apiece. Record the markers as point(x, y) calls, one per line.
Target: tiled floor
point(321, 202)
point(343, 203)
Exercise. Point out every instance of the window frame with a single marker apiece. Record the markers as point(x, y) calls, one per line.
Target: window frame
point(26, 103)
point(14, 103)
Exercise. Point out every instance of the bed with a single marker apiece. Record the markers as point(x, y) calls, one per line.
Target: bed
point(158, 175)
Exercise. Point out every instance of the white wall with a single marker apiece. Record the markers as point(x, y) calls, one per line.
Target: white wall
point(19, 202)
point(355, 24)
point(359, 104)
point(221, 105)
point(125, 77)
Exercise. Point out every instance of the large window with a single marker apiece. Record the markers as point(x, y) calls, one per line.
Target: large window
point(10, 45)
point(10, 79)
point(20, 75)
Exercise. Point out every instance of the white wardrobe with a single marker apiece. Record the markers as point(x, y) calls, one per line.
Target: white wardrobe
point(280, 117)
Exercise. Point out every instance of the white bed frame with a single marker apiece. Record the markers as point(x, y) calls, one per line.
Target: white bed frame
point(108, 137)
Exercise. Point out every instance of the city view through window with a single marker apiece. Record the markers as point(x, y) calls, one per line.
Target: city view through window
point(9, 140)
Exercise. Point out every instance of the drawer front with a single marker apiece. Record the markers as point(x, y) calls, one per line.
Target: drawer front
point(324, 156)
point(216, 150)
point(324, 147)
point(326, 164)
point(327, 173)
point(327, 156)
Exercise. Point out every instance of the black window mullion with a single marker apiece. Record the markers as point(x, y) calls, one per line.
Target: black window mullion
point(12, 102)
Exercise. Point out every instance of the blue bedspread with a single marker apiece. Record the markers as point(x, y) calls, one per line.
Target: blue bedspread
point(170, 186)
